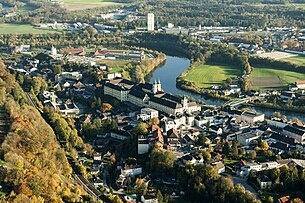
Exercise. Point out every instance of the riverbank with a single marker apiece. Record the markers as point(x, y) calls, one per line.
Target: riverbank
point(293, 109)
point(140, 70)
point(171, 69)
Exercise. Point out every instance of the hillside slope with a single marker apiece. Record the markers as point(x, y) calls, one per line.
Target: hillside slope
point(36, 167)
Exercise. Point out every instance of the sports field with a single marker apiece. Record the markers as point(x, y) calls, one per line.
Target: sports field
point(285, 56)
point(269, 78)
point(9, 28)
point(206, 75)
point(277, 55)
point(74, 5)
point(298, 60)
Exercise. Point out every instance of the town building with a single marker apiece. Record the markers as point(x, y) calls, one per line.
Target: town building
point(252, 117)
point(148, 95)
point(247, 138)
point(300, 84)
point(68, 76)
point(256, 167)
point(264, 182)
point(143, 145)
point(295, 133)
point(147, 114)
point(66, 108)
point(150, 22)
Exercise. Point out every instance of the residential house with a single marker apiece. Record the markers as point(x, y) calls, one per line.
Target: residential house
point(264, 182)
point(150, 197)
point(287, 95)
point(143, 145)
point(215, 129)
point(300, 84)
point(173, 139)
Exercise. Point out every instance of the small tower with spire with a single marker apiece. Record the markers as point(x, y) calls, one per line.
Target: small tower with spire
point(53, 51)
point(184, 102)
point(159, 87)
point(155, 87)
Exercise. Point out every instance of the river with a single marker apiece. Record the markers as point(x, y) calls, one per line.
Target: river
point(174, 66)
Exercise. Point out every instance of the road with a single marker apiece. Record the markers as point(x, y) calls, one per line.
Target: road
point(32, 103)
point(244, 183)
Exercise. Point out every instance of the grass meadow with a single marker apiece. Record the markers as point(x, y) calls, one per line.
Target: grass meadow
point(10, 28)
point(74, 5)
point(206, 75)
point(270, 78)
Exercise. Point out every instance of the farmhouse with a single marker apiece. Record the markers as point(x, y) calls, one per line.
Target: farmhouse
point(300, 84)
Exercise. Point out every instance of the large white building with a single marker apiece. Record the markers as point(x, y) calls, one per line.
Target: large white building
point(147, 114)
point(68, 76)
point(149, 95)
point(150, 22)
point(300, 84)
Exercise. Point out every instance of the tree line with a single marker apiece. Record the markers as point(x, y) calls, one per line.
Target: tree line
point(199, 51)
point(37, 167)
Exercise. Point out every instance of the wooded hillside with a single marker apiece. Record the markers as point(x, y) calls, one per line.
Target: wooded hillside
point(36, 167)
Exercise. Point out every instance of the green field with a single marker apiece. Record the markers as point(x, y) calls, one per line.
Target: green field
point(298, 60)
point(206, 75)
point(8, 28)
point(85, 4)
point(269, 78)
point(116, 65)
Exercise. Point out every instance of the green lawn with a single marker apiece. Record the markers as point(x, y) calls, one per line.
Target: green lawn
point(85, 4)
point(298, 60)
point(9, 28)
point(116, 65)
point(269, 78)
point(206, 75)
point(229, 161)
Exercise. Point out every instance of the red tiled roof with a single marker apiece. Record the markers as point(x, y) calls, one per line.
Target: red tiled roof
point(79, 51)
point(284, 199)
point(301, 82)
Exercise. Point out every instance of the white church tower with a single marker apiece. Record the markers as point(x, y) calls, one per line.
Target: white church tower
point(184, 102)
point(156, 87)
point(53, 51)
point(150, 22)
